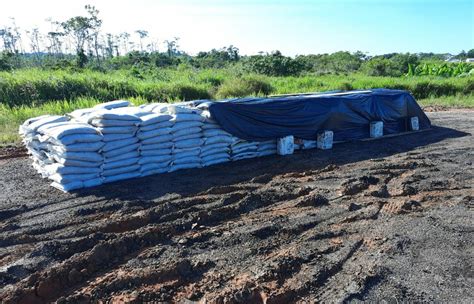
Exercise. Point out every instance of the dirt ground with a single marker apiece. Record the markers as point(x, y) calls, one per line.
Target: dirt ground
point(390, 219)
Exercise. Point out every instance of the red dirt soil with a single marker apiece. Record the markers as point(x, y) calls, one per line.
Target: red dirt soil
point(389, 219)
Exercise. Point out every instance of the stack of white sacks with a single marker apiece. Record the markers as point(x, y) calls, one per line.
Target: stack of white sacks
point(216, 147)
point(241, 149)
point(115, 141)
point(29, 130)
point(66, 152)
point(187, 138)
point(121, 150)
point(156, 143)
point(268, 147)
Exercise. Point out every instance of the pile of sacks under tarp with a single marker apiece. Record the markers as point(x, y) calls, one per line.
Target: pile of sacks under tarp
point(216, 147)
point(115, 140)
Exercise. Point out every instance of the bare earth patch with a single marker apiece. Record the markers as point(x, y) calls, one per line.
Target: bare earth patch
point(390, 220)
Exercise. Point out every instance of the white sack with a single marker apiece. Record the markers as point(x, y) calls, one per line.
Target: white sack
point(125, 149)
point(121, 170)
point(117, 136)
point(114, 178)
point(153, 133)
point(187, 131)
point(164, 124)
point(120, 163)
point(156, 152)
point(158, 139)
point(79, 147)
point(158, 146)
point(187, 137)
point(112, 145)
point(218, 139)
point(128, 155)
point(73, 139)
point(113, 104)
point(189, 143)
point(155, 159)
point(118, 130)
point(185, 125)
point(154, 119)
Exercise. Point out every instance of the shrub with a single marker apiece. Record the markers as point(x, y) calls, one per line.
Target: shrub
point(403, 61)
point(241, 87)
point(379, 66)
point(335, 63)
point(346, 86)
point(428, 89)
point(187, 92)
point(6, 61)
point(274, 64)
point(469, 88)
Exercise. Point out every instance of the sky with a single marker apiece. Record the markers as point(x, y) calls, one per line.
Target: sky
point(292, 26)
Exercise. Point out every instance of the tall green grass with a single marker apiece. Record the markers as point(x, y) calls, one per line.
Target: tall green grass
point(420, 87)
point(457, 101)
point(33, 86)
point(34, 92)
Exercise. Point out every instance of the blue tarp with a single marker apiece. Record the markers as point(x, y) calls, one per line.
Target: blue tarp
point(347, 114)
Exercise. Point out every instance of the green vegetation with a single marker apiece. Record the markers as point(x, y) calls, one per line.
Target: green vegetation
point(445, 102)
point(33, 87)
point(31, 92)
point(75, 65)
point(462, 69)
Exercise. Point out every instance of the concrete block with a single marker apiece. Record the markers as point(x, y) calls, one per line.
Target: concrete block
point(414, 125)
point(285, 145)
point(325, 140)
point(376, 129)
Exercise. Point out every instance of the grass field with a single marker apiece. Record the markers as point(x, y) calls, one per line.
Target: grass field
point(33, 92)
point(33, 86)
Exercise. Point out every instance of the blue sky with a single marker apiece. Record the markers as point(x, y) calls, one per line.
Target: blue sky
point(293, 27)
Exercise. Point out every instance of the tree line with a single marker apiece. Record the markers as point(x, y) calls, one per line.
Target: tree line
point(79, 42)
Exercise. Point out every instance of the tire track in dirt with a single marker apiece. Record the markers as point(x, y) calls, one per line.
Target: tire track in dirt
point(316, 226)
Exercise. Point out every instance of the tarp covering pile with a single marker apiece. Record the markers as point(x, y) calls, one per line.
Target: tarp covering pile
point(348, 115)
point(115, 140)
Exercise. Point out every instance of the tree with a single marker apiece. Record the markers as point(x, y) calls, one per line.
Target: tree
point(141, 34)
point(470, 53)
point(461, 55)
point(125, 38)
point(95, 24)
point(11, 38)
point(233, 53)
point(403, 61)
point(216, 58)
point(78, 28)
point(81, 59)
point(274, 64)
point(83, 29)
point(380, 66)
point(55, 42)
point(109, 45)
point(6, 61)
point(35, 36)
point(172, 46)
point(55, 37)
